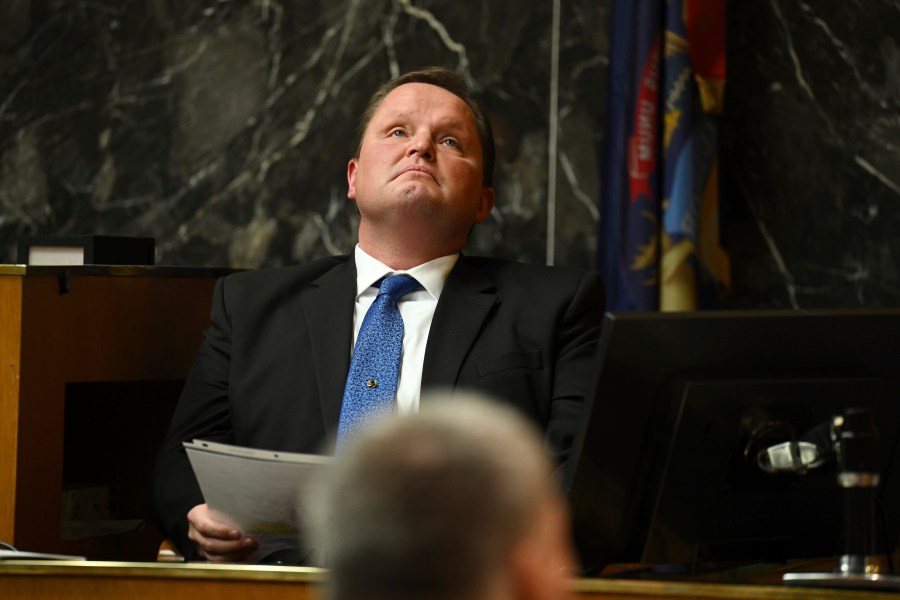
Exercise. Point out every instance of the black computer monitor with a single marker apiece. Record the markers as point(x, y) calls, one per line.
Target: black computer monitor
point(664, 466)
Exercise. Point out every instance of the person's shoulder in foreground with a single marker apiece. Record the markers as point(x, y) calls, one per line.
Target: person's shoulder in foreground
point(456, 502)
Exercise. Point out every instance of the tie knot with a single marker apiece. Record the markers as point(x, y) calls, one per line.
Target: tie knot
point(398, 286)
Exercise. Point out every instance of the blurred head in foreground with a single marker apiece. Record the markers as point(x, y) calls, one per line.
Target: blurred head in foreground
point(456, 502)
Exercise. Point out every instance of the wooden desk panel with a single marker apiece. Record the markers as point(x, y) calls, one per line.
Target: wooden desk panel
point(38, 580)
point(10, 342)
point(65, 326)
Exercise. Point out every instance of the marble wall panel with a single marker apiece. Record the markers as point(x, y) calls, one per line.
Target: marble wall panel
point(812, 147)
point(223, 128)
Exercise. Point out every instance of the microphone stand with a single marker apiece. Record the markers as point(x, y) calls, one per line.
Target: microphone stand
point(855, 443)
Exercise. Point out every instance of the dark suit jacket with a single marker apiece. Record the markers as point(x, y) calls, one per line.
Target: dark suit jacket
point(271, 370)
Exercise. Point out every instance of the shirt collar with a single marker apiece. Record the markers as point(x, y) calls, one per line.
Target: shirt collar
point(431, 275)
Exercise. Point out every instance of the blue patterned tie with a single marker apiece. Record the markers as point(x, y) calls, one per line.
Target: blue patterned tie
point(372, 381)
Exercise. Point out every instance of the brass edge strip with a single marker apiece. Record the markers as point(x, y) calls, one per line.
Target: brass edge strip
point(160, 570)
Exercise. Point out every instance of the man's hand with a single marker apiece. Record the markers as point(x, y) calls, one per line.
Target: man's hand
point(217, 541)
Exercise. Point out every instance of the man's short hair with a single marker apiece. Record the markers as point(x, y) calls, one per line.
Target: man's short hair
point(453, 83)
point(431, 505)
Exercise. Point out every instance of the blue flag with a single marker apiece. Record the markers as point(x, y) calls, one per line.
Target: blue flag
point(658, 243)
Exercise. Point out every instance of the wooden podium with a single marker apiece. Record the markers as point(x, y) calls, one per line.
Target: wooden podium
point(92, 360)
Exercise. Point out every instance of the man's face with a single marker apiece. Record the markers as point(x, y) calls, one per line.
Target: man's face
point(420, 167)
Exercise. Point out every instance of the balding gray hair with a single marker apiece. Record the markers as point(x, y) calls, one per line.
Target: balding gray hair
point(430, 505)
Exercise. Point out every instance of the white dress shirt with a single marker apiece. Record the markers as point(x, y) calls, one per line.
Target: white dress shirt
point(416, 308)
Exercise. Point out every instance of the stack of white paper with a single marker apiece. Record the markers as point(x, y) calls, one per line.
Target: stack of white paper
point(256, 491)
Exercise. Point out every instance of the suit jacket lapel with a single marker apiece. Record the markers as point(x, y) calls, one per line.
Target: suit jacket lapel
point(466, 301)
point(328, 306)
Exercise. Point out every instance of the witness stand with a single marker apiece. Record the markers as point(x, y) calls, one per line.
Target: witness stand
point(92, 360)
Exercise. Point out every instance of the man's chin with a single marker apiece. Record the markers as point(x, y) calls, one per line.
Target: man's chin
point(414, 213)
point(419, 189)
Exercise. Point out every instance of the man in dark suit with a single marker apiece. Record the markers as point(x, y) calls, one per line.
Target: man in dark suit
point(272, 368)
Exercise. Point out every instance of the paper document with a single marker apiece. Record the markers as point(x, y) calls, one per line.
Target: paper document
point(257, 491)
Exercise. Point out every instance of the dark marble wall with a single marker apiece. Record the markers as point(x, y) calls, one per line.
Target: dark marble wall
point(812, 147)
point(222, 128)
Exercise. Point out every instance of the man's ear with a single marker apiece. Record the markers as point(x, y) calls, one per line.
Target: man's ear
point(527, 572)
point(486, 204)
point(352, 166)
point(542, 561)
